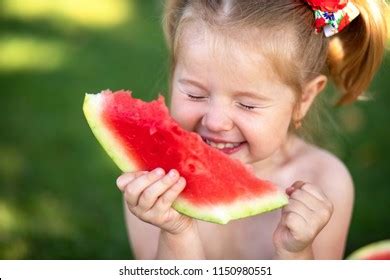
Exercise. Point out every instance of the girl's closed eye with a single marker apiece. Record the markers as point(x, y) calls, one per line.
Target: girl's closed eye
point(247, 107)
point(194, 97)
point(200, 98)
point(252, 107)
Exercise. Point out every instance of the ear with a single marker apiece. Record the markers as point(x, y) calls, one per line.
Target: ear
point(310, 92)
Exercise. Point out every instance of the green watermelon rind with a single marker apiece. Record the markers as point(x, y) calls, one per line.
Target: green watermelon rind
point(91, 108)
point(370, 249)
point(221, 214)
point(224, 213)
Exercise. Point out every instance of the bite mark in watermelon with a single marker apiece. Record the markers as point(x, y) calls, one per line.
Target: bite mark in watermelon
point(142, 135)
point(375, 251)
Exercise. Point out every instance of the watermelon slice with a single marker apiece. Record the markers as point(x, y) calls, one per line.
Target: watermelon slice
point(375, 251)
point(142, 136)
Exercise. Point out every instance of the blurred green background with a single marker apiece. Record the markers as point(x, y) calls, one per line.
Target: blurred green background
point(58, 198)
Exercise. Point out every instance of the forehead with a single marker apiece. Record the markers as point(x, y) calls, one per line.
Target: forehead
point(198, 46)
point(235, 58)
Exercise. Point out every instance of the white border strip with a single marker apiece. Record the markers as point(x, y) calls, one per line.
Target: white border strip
point(171, 270)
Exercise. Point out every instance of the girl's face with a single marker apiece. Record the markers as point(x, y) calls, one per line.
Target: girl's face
point(229, 94)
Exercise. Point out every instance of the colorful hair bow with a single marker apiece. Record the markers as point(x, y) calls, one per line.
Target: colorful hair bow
point(332, 16)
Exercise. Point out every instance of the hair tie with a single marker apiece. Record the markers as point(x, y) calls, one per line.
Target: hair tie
point(332, 16)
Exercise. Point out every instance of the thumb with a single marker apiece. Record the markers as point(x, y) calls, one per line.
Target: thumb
point(297, 185)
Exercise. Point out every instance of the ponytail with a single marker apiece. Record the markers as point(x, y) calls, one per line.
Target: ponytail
point(355, 54)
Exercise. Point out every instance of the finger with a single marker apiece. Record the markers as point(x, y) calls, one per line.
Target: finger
point(150, 195)
point(315, 191)
point(297, 185)
point(127, 177)
point(308, 199)
point(166, 200)
point(299, 208)
point(295, 223)
point(325, 207)
point(134, 189)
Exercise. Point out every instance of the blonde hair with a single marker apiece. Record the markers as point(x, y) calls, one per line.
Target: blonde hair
point(349, 58)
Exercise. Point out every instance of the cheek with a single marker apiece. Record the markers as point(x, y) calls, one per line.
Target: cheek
point(281, 122)
point(268, 128)
point(186, 116)
point(280, 118)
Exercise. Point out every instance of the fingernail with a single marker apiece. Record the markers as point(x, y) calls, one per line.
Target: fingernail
point(159, 171)
point(172, 173)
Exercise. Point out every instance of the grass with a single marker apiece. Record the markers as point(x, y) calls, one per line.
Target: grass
point(58, 198)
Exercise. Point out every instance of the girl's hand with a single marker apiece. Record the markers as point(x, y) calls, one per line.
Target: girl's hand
point(149, 196)
point(307, 213)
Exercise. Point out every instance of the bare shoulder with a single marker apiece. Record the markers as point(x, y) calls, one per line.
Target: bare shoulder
point(325, 170)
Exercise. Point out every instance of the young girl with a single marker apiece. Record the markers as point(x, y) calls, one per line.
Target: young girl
point(246, 73)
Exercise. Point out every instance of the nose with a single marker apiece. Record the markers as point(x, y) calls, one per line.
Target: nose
point(217, 119)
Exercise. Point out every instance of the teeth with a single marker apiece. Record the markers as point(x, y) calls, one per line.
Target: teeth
point(222, 145)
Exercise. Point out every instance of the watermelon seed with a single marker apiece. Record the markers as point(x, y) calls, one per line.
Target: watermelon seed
point(191, 167)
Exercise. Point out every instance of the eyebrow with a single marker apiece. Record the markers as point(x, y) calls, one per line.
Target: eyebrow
point(252, 95)
point(240, 93)
point(192, 82)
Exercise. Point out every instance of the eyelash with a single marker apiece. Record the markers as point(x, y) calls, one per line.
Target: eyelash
point(246, 107)
point(195, 97)
point(199, 98)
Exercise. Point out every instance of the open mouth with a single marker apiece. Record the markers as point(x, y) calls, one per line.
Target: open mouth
point(226, 147)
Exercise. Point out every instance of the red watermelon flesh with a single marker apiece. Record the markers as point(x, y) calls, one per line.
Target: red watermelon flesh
point(142, 136)
point(379, 256)
point(374, 251)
